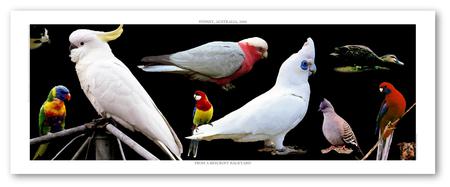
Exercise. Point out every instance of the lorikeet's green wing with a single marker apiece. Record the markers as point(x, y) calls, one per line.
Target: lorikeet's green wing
point(43, 129)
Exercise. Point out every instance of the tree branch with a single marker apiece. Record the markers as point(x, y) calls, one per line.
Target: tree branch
point(389, 127)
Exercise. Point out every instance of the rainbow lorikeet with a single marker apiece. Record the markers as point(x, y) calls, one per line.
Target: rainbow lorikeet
point(203, 113)
point(52, 115)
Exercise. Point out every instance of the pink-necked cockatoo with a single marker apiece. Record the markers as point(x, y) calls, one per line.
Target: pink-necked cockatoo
point(218, 62)
point(114, 91)
point(270, 116)
point(337, 131)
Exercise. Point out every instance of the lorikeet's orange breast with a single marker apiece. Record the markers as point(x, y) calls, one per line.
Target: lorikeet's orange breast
point(55, 108)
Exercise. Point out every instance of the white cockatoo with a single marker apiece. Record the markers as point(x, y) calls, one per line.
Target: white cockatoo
point(114, 91)
point(270, 116)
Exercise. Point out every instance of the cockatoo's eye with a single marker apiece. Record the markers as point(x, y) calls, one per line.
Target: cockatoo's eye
point(304, 65)
point(81, 43)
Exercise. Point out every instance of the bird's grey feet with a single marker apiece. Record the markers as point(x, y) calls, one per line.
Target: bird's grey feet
point(228, 87)
point(289, 150)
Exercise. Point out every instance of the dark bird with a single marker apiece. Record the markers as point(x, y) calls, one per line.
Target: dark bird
point(359, 58)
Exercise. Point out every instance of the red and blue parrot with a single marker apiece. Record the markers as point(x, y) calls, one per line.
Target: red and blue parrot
point(52, 115)
point(203, 113)
point(392, 108)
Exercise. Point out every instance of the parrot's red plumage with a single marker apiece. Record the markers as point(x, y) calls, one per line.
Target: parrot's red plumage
point(252, 55)
point(392, 108)
point(202, 104)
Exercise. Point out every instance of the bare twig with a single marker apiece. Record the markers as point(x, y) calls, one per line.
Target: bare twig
point(391, 127)
point(71, 141)
point(130, 142)
point(60, 134)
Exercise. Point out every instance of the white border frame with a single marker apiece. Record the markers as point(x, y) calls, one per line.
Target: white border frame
point(425, 87)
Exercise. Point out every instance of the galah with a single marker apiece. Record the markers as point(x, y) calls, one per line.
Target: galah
point(392, 108)
point(218, 62)
point(270, 116)
point(203, 113)
point(52, 115)
point(336, 130)
point(114, 91)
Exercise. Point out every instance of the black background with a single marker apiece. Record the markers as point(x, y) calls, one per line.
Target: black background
point(355, 96)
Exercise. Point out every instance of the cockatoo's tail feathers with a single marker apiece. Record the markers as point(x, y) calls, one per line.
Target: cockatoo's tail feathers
point(162, 68)
point(112, 35)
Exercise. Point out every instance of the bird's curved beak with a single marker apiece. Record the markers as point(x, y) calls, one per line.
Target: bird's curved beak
point(72, 47)
point(68, 97)
point(381, 89)
point(112, 35)
point(264, 55)
point(312, 69)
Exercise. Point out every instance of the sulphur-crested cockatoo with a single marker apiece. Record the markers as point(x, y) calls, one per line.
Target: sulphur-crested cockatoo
point(114, 91)
point(270, 116)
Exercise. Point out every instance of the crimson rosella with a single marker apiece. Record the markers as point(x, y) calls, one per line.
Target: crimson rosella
point(391, 109)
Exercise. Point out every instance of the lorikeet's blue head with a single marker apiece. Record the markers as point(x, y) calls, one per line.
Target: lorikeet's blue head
point(61, 92)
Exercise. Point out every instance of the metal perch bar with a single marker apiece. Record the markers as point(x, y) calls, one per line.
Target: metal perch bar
point(77, 154)
point(121, 149)
point(71, 141)
point(67, 132)
point(389, 126)
point(131, 143)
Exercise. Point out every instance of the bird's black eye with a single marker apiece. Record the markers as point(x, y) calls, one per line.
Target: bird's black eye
point(82, 43)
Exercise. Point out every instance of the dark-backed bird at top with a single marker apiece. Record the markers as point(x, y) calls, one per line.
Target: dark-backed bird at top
point(359, 58)
point(217, 62)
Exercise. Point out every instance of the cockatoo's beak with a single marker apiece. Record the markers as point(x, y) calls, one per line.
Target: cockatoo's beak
point(312, 69)
point(112, 35)
point(264, 55)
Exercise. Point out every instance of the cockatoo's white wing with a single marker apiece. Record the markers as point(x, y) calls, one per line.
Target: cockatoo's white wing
point(116, 93)
point(266, 116)
point(214, 59)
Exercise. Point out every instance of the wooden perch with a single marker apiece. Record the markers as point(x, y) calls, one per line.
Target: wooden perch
point(389, 127)
point(130, 142)
point(60, 134)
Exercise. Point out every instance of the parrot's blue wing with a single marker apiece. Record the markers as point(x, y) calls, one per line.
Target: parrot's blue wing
point(193, 112)
point(383, 110)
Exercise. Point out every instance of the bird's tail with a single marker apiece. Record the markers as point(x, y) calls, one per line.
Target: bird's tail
point(193, 148)
point(160, 63)
point(387, 146)
point(40, 152)
point(162, 68)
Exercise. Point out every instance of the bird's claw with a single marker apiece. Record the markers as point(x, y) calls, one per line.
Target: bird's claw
point(289, 150)
point(228, 87)
point(338, 149)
